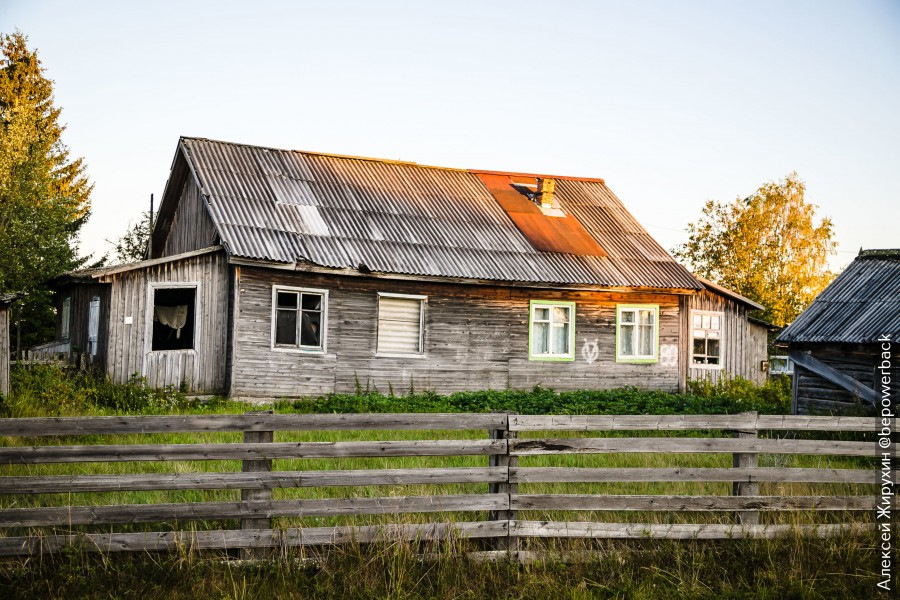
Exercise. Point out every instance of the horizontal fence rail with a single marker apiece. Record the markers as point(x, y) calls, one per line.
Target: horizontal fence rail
point(492, 513)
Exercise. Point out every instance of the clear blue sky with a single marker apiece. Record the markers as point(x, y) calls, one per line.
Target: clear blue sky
point(673, 103)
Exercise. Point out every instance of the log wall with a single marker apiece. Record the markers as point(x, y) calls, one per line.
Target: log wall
point(476, 337)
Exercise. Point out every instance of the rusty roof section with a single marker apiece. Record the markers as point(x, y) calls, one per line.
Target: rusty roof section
point(859, 306)
point(399, 217)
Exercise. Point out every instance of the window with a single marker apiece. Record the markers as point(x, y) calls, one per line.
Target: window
point(401, 325)
point(706, 349)
point(64, 318)
point(173, 318)
point(300, 319)
point(637, 333)
point(551, 331)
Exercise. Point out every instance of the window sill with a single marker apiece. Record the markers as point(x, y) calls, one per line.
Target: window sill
point(706, 367)
point(637, 360)
point(183, 350)
point(551, 358)
point(308, 352)
point(398, 355)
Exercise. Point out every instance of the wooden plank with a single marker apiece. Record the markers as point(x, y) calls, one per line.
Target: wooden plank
point(275, 422)
point(240, 451)
point(231, 481)
point(248, 510)
point(688, 422)
point(687, 445)
point(616, 475)
point(255, 494)
point(678, 532)
point(742, 460)
point(831, 374)
point(249, 538)
point(688, 503)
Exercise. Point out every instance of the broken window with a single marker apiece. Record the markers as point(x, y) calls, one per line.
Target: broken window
point(300, 318)
point(707, 338)
point(173, 318)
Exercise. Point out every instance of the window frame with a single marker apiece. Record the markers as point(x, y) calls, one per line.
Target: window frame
point(550, 357)
point(151, 303)
point(637, 358)
point(298, 349)
point(423, 300)
point(65, 318)
point(721, 330)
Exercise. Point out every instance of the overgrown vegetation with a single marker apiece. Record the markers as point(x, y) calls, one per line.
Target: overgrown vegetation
point(798, 568)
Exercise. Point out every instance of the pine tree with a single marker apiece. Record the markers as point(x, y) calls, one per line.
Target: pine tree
point(44, 192)
point(767, 247)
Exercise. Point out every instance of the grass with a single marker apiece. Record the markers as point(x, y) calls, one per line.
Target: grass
point(795, 567)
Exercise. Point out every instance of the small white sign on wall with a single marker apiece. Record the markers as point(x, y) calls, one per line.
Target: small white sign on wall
point(668, 355)
point(128, 320)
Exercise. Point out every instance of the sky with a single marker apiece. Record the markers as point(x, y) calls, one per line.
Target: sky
point(672, 103)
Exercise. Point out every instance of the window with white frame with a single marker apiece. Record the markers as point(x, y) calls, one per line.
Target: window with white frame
point(637, 333)
point(64, 318)
point(401, 325)
point(174, 311)
point(706, 349)
point(551, 330)
point(300, 318)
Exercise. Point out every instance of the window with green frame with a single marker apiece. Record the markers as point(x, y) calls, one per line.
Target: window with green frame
point(637, 333)
point(551, 330)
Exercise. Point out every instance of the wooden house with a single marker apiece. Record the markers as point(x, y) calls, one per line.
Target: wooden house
point(838, 344)
point(278, 273)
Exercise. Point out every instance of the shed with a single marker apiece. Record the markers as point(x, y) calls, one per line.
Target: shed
point(5, 350)
point(842, 343)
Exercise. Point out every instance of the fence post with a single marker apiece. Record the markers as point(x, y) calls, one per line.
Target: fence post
point(257, 466)
point(746, 460)
point(510, 543)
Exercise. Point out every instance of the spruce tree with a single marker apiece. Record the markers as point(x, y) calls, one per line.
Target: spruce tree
point(44, 192)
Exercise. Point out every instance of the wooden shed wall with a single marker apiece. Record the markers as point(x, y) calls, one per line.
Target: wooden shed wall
point(128, 351)
point(81, 295)
point(817, 395)
point(4, 350)
point(191, 227)
point(476, 337)
point(744, 344)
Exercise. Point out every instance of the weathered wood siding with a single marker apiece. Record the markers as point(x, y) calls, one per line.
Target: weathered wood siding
point(128, 350)
point(191, 227)
point(4, 349)
point(476, 337)
point(743, 342)
point(817, 395)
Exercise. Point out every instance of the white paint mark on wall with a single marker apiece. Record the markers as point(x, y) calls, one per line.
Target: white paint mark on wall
point(591, 350)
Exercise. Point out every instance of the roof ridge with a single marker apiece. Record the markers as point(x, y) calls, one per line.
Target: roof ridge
point(397, 161)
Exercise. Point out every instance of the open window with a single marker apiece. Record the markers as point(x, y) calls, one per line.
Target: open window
point(551, 331)
point(706, 333)
point(401, 325)
point(637, 333)
point(173, 318)
point(300, 318)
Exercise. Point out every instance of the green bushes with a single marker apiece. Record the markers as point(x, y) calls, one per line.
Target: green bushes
point(733, 396)
point(56, 391)
point(46, 390)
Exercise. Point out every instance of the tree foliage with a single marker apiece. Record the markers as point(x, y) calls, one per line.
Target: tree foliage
point(44, 192)
point(767, 247)
point(132, 246)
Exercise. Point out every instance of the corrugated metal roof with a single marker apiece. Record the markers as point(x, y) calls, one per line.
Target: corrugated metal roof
point(404, 218)
point(859, 306)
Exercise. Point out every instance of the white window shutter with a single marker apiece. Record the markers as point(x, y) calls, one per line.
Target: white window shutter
point(399, 325)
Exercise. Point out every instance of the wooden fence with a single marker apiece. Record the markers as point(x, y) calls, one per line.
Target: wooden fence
point(48, 529)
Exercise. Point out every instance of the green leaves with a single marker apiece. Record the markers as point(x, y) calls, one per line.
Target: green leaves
point(767, 247)
point(44, 193)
